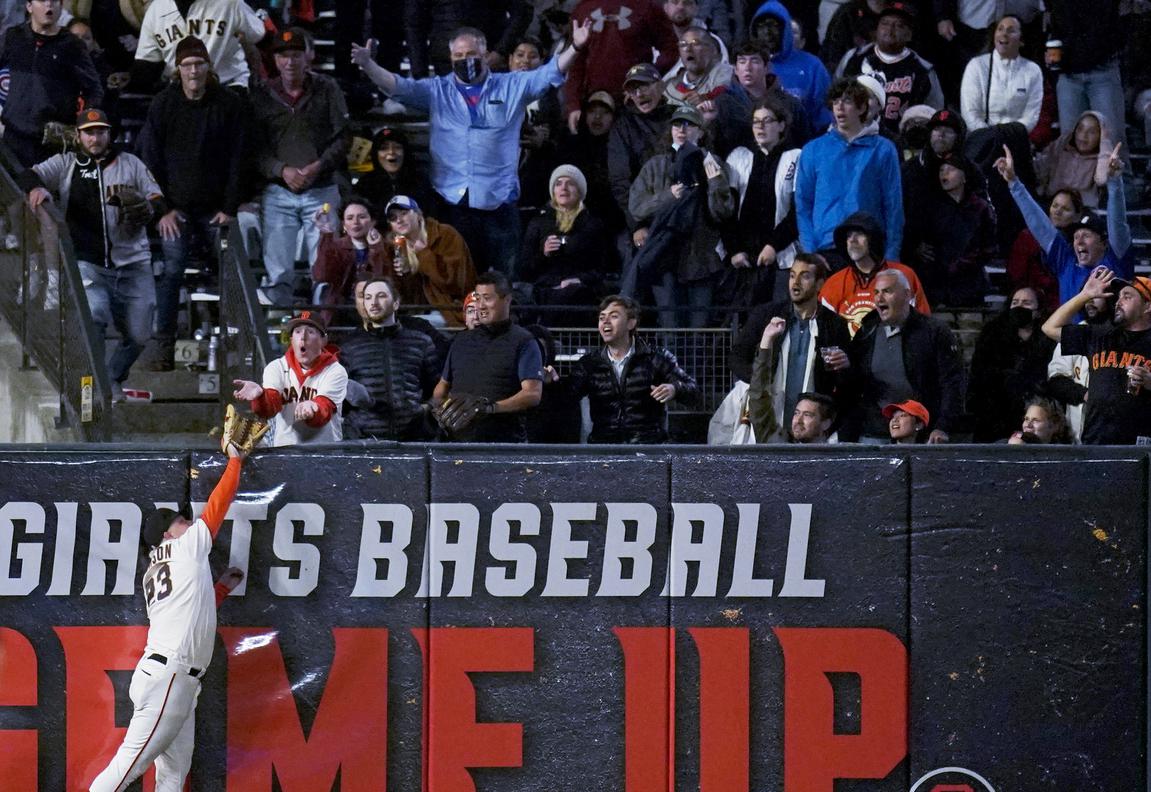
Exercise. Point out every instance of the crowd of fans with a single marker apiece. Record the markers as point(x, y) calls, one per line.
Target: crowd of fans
point(829, 172)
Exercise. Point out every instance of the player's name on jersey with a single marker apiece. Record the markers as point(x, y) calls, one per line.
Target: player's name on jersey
point(580, 549)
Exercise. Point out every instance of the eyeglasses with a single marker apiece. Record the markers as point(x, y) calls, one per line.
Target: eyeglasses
point(681, 123)
point(691, 44)
point(762, 122)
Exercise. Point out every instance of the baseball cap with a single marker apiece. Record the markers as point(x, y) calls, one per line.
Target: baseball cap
point(291, 39)
point(911, 407)
point(155, 525)
point(471, 298)
point(191, 47)
point(603, 98)
point(1140, 284)
point(390, 134)
point(948, 118)
point(1091, 221)
point(308, 318)
point(642, 72)
point(905, 10)
point(401, 202)
point(687, 113)
point(92, 117)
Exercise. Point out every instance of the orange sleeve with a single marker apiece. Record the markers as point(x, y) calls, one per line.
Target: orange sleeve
point(221, 497)
point(324, 412)
point(222, 593)
point(268, 404)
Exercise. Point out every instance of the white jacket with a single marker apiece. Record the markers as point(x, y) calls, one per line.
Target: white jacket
point(739, 163)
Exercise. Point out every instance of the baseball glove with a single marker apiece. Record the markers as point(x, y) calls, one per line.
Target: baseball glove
point(460, 410)
point(243, 430)
point(60, 137)
point(135, 210)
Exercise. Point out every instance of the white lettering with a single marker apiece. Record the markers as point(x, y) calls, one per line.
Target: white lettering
point(122, 553)
point(281, 581)
point(241, 516)
point(65, 552)
point(564, 547)
point(795, 584)
point(684, 550)
point(743, 580)
point(519, 581)
point(27, 554)
point(439, 551)
point(374, 548)
point(616, 548)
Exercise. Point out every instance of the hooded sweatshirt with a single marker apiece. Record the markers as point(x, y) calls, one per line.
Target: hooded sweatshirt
point(838, 177)
point(800, 73)
point(849, 291)
point(1062, 166)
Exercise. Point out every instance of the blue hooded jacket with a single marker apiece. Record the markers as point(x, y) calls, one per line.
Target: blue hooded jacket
point(837, 178)
point(800, 73)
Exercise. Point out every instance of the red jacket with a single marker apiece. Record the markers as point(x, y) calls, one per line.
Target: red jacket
point(623, 33)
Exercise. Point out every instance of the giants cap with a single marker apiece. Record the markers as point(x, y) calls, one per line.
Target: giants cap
point(308, 318)
point(1140, 284)
point(92, 117)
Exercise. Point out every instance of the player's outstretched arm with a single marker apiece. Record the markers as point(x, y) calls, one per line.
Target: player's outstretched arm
point(225, 491)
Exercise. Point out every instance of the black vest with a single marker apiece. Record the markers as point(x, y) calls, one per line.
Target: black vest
point(484, 363)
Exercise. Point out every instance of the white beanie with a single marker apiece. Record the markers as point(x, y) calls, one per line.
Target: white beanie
point(573, 173)
point(875, 88)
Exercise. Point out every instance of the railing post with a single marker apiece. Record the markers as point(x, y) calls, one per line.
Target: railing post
point(25, 286)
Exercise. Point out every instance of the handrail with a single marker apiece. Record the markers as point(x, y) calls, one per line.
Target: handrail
point(42, 297)
point(244, 345)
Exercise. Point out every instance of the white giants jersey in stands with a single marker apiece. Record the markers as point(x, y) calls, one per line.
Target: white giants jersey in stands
point(215, 22)
point(330, 381)
point(181, 598)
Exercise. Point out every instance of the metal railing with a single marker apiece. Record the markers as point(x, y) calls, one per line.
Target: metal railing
point(245, 347)
point(702, 353)
point(42, 297)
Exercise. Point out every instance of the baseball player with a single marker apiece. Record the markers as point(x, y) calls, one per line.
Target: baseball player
point(303, 389)
point(218, 23)
point(181, 604)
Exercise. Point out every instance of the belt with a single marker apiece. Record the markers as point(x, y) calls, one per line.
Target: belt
point(159, 658)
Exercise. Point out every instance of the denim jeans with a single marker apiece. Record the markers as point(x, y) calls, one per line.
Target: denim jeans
point(196, 233)
point(285, 214)
point(124, 297)
point(670, 293)
point(493, 235)
point(1100, 90)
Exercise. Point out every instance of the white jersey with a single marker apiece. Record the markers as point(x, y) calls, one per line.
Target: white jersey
point(331, 382)
point(215, 22)
point(181, 598)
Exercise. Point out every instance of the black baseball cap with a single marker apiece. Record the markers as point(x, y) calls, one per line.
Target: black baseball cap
point(156, 525)
point(1091, 221)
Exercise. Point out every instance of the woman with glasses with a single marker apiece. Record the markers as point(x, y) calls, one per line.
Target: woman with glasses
point(763, 238)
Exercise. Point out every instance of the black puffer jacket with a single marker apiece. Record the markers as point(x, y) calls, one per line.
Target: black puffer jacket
point(625, 412)
point(399, 367)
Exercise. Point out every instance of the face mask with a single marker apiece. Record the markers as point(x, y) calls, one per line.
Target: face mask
point(469, 70)
point(1020, 316)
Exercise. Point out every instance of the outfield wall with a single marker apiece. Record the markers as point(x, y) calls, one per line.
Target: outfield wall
point(530, 620)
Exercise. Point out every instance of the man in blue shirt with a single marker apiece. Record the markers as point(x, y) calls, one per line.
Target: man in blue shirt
point(1092, 243)
point(475, 136)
